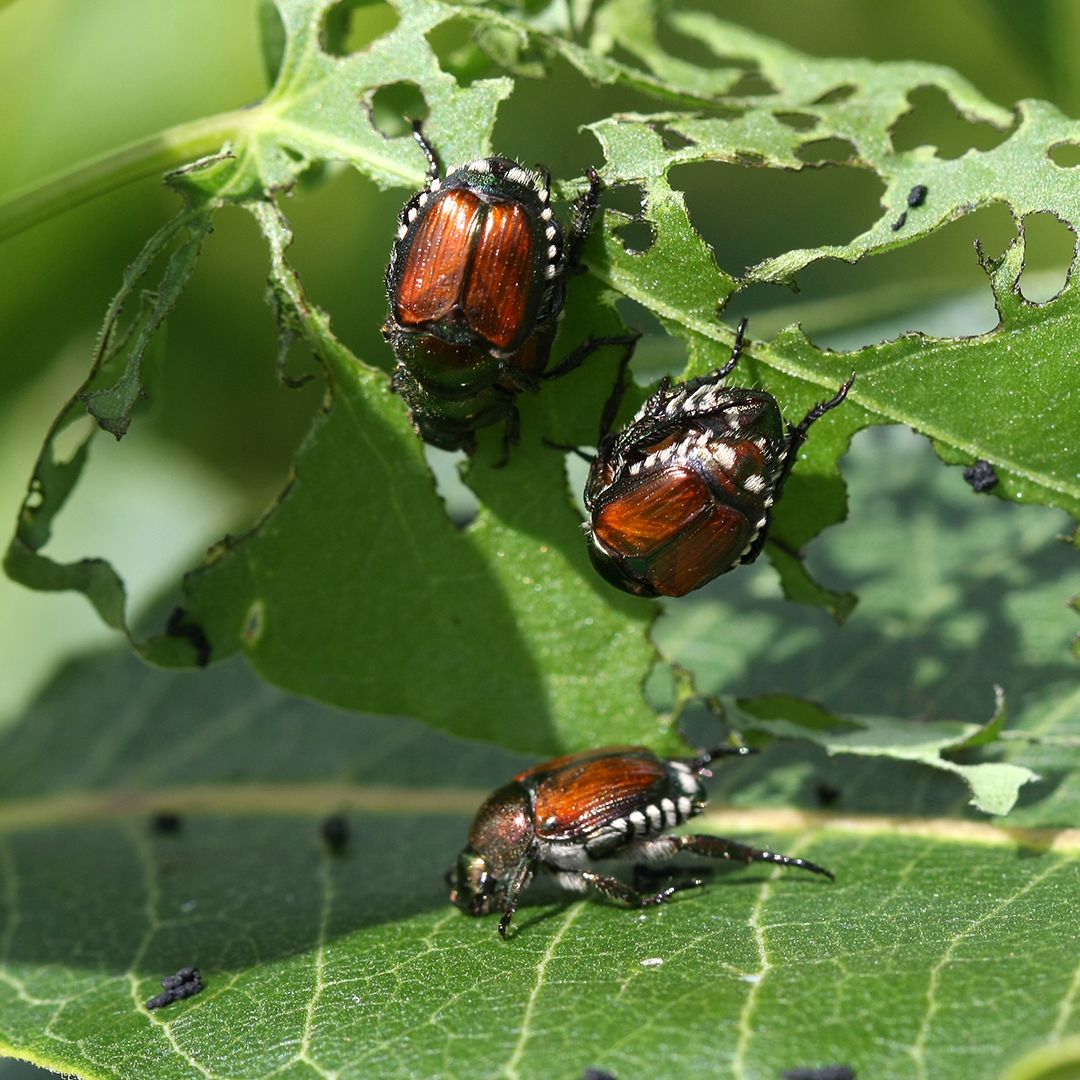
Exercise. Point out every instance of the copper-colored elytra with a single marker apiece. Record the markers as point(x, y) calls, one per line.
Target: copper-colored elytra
point(716, 538)
point(474, 257)
point(578, 798)
point(749, 461)
point(501, 282)
point(652, 513)
point(438, 259)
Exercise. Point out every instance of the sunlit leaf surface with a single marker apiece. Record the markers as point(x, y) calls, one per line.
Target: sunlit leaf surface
point(917, 962)
point(947, 946)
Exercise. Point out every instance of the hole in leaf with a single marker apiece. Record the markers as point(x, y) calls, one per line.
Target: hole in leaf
point(933, 120)
point(392, 107)
point(741, 72)
point(695, 50)
point(1065, 154)
point(752, 84)
point(935, 286)
point(749, 215)
point(672, 139)
point(637, 236)
point(798, 121)
point(351, 25)
point(35, 497)
point(218, 383)
point(836, 151)
point(836, 95)
point(461, 504)
point(564, 101)
point(628, 198)
point(1050, 247)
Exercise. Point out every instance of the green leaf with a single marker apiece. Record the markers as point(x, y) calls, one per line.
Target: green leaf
point(974, 602)
point(929, 941)
point(995, 786)
point(917, 962)
point(354, 587)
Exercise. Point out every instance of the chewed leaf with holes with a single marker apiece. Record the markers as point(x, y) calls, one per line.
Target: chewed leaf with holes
point(1008, 397)
point(500, 631)
point(355, 588)
point(125, 862)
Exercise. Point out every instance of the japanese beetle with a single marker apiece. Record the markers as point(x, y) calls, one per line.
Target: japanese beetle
point(566, 814)
point(476, 283)
point(685, 491)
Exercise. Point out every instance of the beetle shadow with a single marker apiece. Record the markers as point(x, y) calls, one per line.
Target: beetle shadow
point(524, 922)
point(243, 876)
point(247, 775)
point(564, 411)
point(934, 631)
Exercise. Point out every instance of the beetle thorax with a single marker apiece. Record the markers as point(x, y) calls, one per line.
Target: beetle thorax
point(503, 829)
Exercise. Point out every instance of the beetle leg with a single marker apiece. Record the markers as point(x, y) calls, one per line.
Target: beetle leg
point(511, 435)
point(566, 448)
point(701, 763)
point(619, 891)
point(582, 212)
point(618, 391)
point(796, 437)
point(520, 878)
point(797, 432)
point(717, 847)
point(736, 350)
point(429, 150)
point(576, 357)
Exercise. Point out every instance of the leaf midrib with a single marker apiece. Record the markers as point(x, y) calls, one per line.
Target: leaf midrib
point(318, 798)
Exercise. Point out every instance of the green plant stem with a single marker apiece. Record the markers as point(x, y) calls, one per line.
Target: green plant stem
point(167, 149)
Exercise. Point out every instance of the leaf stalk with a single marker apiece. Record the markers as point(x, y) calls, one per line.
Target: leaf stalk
point(45, 199)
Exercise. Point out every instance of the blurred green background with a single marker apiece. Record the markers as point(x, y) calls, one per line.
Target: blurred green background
point(218, 430)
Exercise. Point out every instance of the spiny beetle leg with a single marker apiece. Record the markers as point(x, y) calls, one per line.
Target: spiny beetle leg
point(717, 847)
point(736, 349)
point(700, 763)
point(797, 433)
point(429, 151)
point(566, 448)
point(511, 435)
point(521, 877)
point(619, 891)
point(504, 923)
point(582, 212)
point(577, 356)
point(796, 437)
